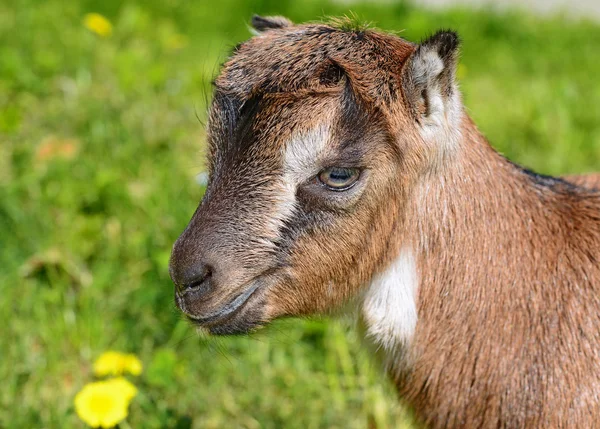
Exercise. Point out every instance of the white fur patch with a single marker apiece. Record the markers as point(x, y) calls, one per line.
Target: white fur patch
point(389, 306)
point(301, 160)
point(301, 155)
point(441, 127)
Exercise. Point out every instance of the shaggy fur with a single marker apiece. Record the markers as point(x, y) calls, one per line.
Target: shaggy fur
point(478, 281)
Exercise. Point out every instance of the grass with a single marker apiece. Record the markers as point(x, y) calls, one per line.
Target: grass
point(100, 143)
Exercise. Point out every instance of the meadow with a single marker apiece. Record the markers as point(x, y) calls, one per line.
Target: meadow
point(101, 141)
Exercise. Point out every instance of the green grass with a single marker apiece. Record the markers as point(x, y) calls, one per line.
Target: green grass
point(85, 237)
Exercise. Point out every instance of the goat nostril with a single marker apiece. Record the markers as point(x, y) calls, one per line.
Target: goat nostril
point(198, 280)
point(206, 274)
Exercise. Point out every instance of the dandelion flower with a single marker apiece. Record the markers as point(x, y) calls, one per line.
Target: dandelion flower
point(102, 403)
point(124, 386)
point(97, 24)
point(116, 363)
point(133, 365)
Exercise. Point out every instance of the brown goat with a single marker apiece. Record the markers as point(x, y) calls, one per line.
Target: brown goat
point(344, 170)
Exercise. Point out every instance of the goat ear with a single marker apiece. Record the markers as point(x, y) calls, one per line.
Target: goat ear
point(264, 23)
point(428, 77)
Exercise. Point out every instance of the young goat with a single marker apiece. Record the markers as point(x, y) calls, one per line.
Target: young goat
point(344, 169)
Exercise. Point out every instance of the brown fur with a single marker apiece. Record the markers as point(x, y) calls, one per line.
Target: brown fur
point(509, 308)
point(590, 181)
point(508, 327)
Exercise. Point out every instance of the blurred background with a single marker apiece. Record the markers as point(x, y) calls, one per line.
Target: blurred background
point(101, 143)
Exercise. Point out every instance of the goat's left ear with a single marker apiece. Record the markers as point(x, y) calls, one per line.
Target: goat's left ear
point(428, 77)
point(261, 24)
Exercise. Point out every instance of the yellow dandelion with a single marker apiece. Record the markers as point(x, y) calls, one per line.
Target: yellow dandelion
point(98, 24)
point(116, 363)
point(124, 386)
point(102, 403)
point(132, 364)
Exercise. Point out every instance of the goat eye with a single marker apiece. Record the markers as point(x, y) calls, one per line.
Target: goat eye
point(339, 178)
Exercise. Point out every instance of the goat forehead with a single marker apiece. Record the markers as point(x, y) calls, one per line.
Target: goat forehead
point(290, 134)
point(239, 136)
point(286, 60)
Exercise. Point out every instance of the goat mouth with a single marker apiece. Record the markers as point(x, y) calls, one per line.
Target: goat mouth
point(227, 311)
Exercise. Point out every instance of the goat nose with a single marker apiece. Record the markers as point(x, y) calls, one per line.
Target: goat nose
point(195, 278)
